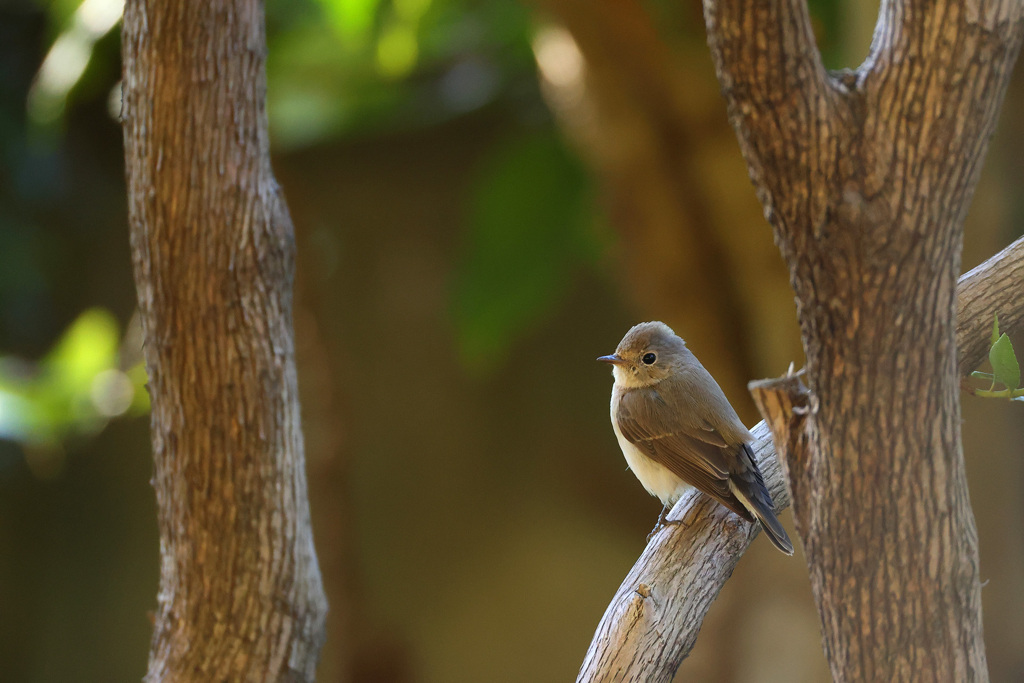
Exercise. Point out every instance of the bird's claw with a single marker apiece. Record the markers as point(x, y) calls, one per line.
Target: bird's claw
point(662, 522)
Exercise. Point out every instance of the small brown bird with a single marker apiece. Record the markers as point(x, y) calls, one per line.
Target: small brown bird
point(677, 429)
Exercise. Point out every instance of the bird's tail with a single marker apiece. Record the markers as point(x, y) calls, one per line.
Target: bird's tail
point(773, 528)
point(749, 488)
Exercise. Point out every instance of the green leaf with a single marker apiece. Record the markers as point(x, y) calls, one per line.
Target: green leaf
point(139, 379)
point(1004, 363)
point(87, 348)
point(397, 50)
point(352, 19)
point(351, 68)
point(995, 330)
point(982, 375)
point(45, 402)
point(531, 225)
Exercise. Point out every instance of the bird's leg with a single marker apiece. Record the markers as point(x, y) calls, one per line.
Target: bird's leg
point(661, 516)
point(665, 509)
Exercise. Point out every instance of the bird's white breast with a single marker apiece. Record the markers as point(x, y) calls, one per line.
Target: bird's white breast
point(656, 478)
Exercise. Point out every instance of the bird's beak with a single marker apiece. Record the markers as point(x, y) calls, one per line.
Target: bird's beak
point(614, 359)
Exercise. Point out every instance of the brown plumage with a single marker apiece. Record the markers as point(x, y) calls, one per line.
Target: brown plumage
point(677, 429)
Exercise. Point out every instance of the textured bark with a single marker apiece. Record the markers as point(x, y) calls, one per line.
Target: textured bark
point(994, 287)
point(866, 177)
point(213, 251)
point(652, 623)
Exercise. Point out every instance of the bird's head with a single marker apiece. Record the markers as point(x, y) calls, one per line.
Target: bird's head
point(646, 355)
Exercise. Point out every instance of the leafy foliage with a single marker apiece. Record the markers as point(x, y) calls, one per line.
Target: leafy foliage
point(74, 390)
point(1004, 363)
point(531, 224)
point(344, 67)
point(1005, 368)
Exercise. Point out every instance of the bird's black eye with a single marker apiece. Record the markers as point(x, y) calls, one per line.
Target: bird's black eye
point(649, 359)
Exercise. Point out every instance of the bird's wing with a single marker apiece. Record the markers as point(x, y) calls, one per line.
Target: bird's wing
point(699, 455)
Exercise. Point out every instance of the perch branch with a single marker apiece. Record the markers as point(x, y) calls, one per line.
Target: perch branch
point(652, 623)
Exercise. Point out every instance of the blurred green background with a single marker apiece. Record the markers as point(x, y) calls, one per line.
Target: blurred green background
point(487, 194)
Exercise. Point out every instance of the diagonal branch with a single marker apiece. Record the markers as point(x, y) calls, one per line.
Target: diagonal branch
point(787, 56)
point(793, 92)
point(652, 623)
point(996, 287)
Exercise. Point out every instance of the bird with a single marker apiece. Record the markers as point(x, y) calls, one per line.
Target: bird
point(677, 429)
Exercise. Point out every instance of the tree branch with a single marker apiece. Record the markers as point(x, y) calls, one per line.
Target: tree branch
point(792, 93)
point(996, 287)
point(787, 57)
point(652, 623)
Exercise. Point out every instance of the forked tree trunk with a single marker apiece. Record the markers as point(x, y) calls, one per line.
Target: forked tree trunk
point(212, 245)
point(866, 177)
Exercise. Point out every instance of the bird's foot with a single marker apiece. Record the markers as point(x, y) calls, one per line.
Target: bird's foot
point(662, 522)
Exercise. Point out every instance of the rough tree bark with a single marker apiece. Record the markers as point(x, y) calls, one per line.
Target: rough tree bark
point(652, 623)
point(213, 251)
point(866, 177)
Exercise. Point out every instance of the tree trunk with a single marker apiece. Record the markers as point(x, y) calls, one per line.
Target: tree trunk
point(213, 251)
point(866, 177)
